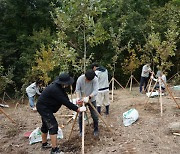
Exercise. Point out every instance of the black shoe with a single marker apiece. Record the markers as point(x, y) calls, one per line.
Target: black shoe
point(99, 109)
point(96, 133)
point(56, 151)
point(107, 110)
point(46, 146)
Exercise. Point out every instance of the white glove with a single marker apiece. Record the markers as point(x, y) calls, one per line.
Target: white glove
point(82, 109)
point(74, 101)
point(86, 99)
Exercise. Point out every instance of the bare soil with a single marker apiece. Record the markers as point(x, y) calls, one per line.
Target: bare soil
point(149, 135)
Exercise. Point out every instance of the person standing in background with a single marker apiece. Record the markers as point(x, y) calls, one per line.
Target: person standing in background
point(144, 76)
point(103, 91)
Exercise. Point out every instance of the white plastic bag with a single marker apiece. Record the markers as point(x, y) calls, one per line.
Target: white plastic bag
point(35, 136)
point(153, 94)
point(130, 117)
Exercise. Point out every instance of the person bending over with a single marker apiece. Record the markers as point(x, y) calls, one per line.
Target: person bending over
point(32, 90)
point(49, 102)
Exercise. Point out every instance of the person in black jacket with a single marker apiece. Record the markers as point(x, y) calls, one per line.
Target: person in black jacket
point(49, 102)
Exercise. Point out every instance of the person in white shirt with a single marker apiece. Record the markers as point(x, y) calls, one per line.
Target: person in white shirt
point(103, 91)
point(144, 76)
point(31, 91)
point(160, 75)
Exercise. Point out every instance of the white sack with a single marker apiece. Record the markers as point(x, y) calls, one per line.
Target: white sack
point(35, 136)
point(130, 117)
point(153, 94)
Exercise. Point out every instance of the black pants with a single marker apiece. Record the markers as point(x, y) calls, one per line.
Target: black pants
point(143, 81)
point(49, 122)
point(93, 115)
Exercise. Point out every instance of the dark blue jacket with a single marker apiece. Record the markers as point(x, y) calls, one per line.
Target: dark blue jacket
point(53, 97)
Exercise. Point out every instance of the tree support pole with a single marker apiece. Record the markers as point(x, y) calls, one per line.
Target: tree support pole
point(73, 126)
point(151, 92)
point(171, 93)
point(7, 116)
point(160, 96)
point(100, 116)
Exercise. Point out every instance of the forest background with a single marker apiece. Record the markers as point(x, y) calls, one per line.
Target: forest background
point(42, 38)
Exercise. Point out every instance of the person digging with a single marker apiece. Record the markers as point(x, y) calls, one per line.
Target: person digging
point(87, 86)
point(49, 102)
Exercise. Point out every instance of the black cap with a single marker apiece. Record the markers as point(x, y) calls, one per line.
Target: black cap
point(94, 65)
point(90, 74)
point(65, 79)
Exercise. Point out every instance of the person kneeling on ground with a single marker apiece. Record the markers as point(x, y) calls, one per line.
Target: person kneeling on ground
point(49, 102)
point(161, 77)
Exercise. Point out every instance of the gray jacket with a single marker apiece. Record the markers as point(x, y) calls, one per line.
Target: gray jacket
point(85, 88)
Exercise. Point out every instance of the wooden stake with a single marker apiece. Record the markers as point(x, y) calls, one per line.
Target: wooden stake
point(8, 96)
point(71, 92)
point(21, 99)
point(174, 97)
point(3, 96)
point(83, 130)
point(65, 115)
point(3, 102)
point(110, 81)
point(112, 93)
point(131, 84)
point(128, 82)
point(119, 84)
point(73, 126)
point(172, 76)
point(149, 85)
point(69, 121)
point(100, 116)
point(160, 96)
point(7, 116)
point(151, 92)
point(170, 93)
point(136, 80)
point(178, 134)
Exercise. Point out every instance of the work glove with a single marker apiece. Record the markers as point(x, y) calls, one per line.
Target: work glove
point(82, 109)
point(74, 101)
point(86, 99)
point(79, 101)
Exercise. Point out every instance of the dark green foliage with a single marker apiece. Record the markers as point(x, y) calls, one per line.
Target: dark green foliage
point(27, 25)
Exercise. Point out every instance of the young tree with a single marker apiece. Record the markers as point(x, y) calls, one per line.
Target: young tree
point(162, 49)
point(77, 22)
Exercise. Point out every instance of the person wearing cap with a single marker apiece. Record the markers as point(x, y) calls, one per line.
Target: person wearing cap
point(32, 90)
point(87, 86)
point(144, 76)
point(49, 102)
point(103, 91)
